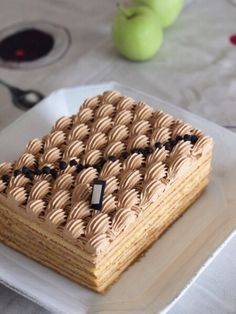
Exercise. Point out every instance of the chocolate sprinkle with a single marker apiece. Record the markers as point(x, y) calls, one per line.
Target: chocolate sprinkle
point(168, 146)
point(46, 170)
point(79, 168)
point(135, 151)
point(158, 145)
point(25, 170)
point(62, 165)
point(17, 172)
point(140, 151)
point(102, 162)
point(179, 138)
point(5, 178)
point(53, 172)
point(73, 162)
point(173, 143)
point(97, 167)
point(187, 137)
point(194, 139)
point(30, 175)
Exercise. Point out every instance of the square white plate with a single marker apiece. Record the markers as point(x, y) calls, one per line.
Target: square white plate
point(158, 277)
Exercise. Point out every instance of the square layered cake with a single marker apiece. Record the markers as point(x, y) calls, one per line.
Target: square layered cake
point(88, 198)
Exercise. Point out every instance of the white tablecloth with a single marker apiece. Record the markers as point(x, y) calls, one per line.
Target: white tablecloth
point(195, 69)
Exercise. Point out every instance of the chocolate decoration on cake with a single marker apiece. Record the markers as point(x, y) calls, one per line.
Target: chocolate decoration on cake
point(194, 139)
point(179, 138)
point(25, 170)
point(187, 137)
point(53, 172)
point(173, 143)
point(73, 162)
point(97, 167)
point(79, 168)
point(158, 145)
point(46, 170)
point(97, 194)
point(168, 146)
point(62, 165)
point(5, 178)
point(30, 175)
point(17, 172)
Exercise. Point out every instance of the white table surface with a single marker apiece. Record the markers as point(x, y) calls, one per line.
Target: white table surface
point(195, 69)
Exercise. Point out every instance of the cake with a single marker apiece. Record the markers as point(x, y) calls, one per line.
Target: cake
point(88, 198)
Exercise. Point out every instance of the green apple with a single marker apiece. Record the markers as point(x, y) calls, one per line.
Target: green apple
point(137, 33)
point(167, 10)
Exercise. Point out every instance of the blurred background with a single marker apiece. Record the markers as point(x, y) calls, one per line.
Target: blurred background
point(194, 68)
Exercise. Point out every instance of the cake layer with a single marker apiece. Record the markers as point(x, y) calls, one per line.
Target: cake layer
point(61, 256)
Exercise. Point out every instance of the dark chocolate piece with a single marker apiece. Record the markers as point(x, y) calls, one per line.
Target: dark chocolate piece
point(25, 170)
point(30, 175)
point(53, 172)
point(168, 146)
point(187, 137)
point(194, 139)
point(97, 167)
point(62, 165)
point(141, 151)
point(179, 138)
point(46, 170)
point(73, 162)
point(158, 145)
point(97, 194)
point(5, 178)
point(17, 172)
point(135, 151)
point(173, 143)
point(79, 168)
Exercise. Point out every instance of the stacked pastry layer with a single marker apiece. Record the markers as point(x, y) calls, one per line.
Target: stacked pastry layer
point(153, 165)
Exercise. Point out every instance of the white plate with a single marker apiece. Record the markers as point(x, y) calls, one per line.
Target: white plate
point(158, 277)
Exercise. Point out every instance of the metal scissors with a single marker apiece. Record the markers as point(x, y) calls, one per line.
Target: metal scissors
point(23, 99)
